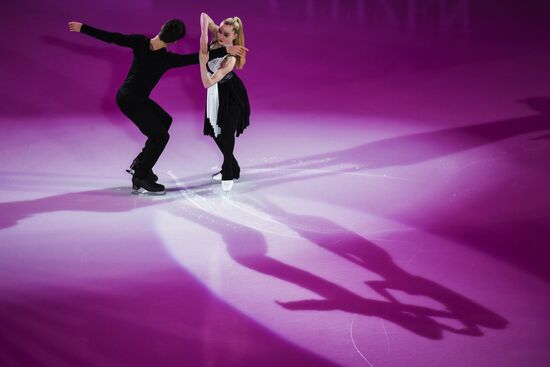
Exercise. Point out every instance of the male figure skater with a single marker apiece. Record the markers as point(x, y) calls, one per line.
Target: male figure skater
point(151, 60)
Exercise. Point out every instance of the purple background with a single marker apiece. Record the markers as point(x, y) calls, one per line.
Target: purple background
point(305, 55)
point(394, 145)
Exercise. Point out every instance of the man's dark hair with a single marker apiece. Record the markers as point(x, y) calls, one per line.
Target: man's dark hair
point(172, 31)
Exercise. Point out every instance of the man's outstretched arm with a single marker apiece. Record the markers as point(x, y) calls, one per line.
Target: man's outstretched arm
point(179, 60)
point(109, 37)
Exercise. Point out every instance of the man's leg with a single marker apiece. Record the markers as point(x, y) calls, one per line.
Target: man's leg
point(164, 117)
point(149, 123)
point(161, 116)
point(166, 121)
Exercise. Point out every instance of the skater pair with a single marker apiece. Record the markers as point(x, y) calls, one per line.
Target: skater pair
point(150, 61)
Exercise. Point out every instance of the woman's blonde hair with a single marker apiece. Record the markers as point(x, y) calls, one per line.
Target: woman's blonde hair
point(237, 25)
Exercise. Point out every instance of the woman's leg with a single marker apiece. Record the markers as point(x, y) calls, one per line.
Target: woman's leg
point(226, 143)
point(236, 169)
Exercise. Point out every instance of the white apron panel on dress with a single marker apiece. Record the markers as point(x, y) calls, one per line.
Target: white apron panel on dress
point(213, 97)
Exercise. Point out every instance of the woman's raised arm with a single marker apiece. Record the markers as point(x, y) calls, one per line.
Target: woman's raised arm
point(207, 24)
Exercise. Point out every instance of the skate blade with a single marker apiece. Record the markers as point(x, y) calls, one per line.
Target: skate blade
point(215, 178)
point(142, 191)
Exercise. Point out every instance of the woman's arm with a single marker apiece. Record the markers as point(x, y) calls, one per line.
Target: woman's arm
point(209, 25)
point(204, 33)
point(109, 37)
point(207, 80)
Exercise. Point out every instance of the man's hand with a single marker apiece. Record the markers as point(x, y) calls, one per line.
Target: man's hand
point(75, 26)
point(237, 50)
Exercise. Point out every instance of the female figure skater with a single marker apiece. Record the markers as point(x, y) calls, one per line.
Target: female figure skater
point(227, 105)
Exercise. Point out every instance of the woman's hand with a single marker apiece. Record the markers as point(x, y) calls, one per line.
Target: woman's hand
point(203, 57)
point(75, 26)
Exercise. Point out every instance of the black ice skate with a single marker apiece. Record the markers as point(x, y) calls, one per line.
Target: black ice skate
point(132, 169)
point(147, 186)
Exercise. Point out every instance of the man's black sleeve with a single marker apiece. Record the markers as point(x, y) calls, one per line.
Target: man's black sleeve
point(179, 60)
point(120, 39)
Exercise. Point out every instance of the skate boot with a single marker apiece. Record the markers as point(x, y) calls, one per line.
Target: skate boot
point(147, 186)
point(132, 169)
point(227, 185)
point(218, 175)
